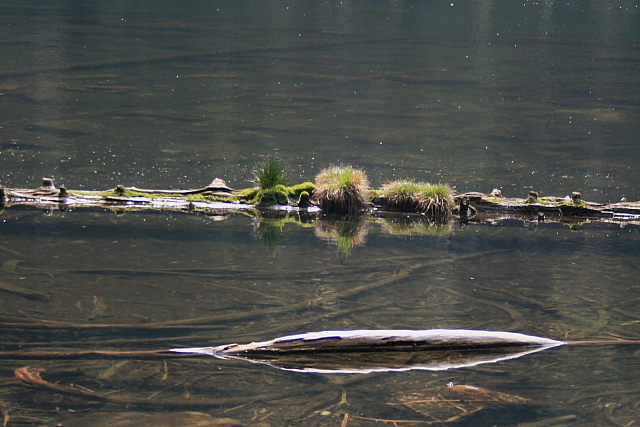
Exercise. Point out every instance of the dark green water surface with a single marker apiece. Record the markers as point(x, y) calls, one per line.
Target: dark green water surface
point(480, 95)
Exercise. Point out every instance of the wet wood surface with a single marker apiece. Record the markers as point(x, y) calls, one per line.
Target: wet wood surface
point(469, 206)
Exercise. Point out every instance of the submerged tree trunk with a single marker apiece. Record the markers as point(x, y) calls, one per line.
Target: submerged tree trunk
point(385, 340)
point(365, 351)
point(355, 352)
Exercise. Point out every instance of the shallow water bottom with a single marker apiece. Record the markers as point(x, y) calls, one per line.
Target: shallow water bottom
point(146, 281)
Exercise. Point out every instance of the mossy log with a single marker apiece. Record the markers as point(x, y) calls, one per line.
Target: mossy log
point(218, 196)
point(540, 207)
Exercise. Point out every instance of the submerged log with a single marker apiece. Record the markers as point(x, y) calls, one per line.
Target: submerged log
point(366, 351)
point(354, 352)
point(386, 340)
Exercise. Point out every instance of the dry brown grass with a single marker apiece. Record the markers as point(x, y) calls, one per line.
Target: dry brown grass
point(342, 190)
point(435, 201)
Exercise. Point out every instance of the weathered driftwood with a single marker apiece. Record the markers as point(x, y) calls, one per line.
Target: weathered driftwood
point(354, 352)
point(217, 187)
point(473, 203)
point(366, 351)
point(385, 340)
point(49, 197)
point(467, 204)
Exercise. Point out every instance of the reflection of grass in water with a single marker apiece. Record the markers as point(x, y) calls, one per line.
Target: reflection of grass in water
point(416, 227)
point(268, 226)
point(344, 245)
point(344, 234)
point(269, 234)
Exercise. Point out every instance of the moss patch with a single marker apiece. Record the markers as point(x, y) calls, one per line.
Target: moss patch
point(558, 202)
point(296, 190)
point(203, 197)
point(272, 196)
point(121, 191)
point(492, 199)
point(246, 195)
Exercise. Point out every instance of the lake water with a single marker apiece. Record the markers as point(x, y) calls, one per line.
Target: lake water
point(480, 95)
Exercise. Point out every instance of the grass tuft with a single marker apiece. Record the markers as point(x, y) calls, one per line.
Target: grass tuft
point(270, 174)
point(342, 190)
point(435, 201)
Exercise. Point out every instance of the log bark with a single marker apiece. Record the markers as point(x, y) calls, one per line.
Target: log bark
point(551, 206)
point(386, 340)
point(355, 352)
point(366, 351)
point(467, 205)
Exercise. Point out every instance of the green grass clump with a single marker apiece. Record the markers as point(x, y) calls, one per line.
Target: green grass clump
point(433, 200)
point(296, 190)
point(270, 173)
point(342, 190)
point(271, 179)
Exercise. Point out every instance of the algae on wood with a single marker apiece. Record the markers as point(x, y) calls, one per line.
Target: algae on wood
point(218, 196)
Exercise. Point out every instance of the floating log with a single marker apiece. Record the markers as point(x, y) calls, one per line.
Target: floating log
point(542, 207)
point(366, 351)
point(218, 196)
